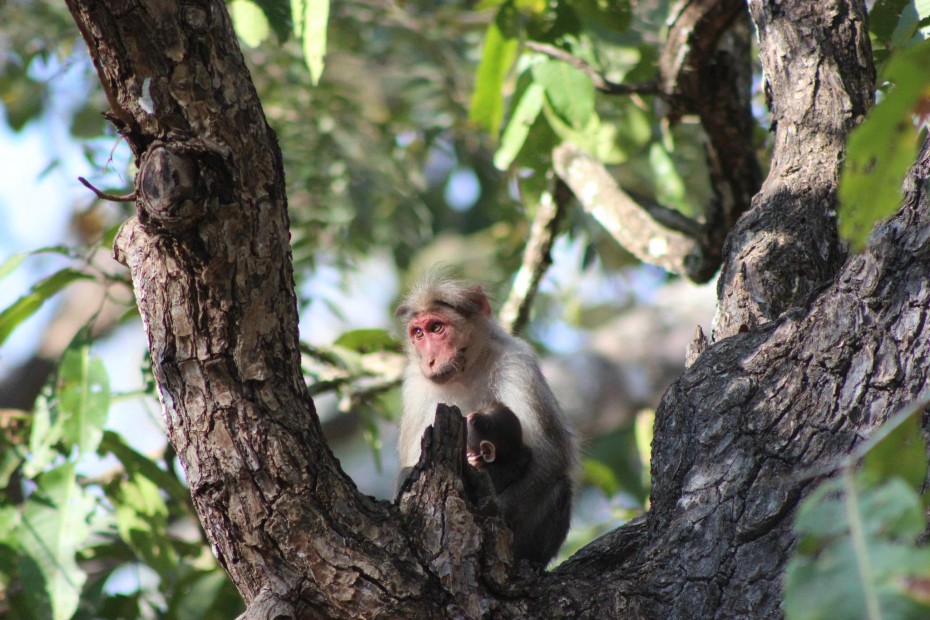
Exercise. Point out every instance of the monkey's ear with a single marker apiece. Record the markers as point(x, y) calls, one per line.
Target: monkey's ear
point(481, 300)
point(488, 451)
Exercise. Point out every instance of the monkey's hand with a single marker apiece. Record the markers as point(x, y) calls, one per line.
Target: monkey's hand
point(480, 491)
point(475, 460)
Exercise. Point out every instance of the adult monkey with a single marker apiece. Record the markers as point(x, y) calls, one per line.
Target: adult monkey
point(459, 355)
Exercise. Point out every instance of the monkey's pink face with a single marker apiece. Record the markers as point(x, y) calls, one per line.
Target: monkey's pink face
point(437, 342)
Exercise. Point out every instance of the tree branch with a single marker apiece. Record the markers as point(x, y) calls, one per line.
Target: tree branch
point(537, 258)
point(597, 78)
point(629, 223)
point(787, 248)
point(704, 69)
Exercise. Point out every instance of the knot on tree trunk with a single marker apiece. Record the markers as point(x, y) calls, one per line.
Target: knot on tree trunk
point(179, 185)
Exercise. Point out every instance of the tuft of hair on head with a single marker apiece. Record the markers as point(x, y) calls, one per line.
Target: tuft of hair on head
point(438, 288)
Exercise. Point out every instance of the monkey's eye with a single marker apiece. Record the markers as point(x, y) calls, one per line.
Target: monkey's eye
point(437, 328)
point(417, 332)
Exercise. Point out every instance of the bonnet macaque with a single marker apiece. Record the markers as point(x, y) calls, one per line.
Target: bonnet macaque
point(495, 445)
point(459, 355)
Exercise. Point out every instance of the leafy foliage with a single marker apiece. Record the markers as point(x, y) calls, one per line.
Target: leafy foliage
point(883, 147)
point(857, 556)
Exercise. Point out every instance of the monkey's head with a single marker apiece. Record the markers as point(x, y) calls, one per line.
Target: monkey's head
point(440, 317)
point(494, 435)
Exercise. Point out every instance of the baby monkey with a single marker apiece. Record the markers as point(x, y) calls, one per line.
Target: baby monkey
point(495, 444)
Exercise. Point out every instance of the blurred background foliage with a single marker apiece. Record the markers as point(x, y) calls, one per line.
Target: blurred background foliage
point(421, 132)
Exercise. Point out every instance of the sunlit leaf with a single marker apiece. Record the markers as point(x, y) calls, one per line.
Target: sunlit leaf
point(597, 138)
point(531, 7)
point(497, 57)
point(9, 525)
point(569, 91)
point(315, 20)
point(367, 340)
point(139, 464)
point(670, 187)
point(28, 304)
point(142, 522)
point(278, 13)
point(54, 526)
point(250, 22)
point(883, 147)
point(12, 263)
point(642, 434)
point(83, 390)
point(524, 115)
point(44, 433)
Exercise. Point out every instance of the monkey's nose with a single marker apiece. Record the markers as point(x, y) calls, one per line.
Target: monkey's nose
point(432, 363)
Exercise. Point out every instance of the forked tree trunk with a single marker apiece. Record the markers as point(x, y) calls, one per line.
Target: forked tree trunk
point(812, 351)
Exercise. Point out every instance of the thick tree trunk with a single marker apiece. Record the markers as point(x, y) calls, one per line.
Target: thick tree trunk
point(793, 381)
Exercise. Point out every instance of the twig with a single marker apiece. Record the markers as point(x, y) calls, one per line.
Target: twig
point(105, 196)
point(600, 82)
point(536, 257)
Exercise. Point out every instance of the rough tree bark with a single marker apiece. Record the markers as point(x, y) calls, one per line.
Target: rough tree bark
point(810, 353)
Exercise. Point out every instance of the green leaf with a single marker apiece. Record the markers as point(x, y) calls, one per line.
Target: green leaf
point(601, 476)
point(12, 263)
point(898, 449)
point(498, 56)
point(44, 433)
point(524, 115)
point(54, 527)
point(279, 15)
point(883, 147)
point(569, 91)
point(670, 188)
point(139, 464)
point(142, 522)
point(906, 28)
point(857, 555)
point(642, 435)
point(88, 122)
point(205, 594)
point(313, 21)
point(612, 15)
point(83, 390)
point(367, 340)
point(857, 552)
point(28, 304)
point(23, 101)
point(9, 525)
point(250, 22)
point(884, 17)
point(597, 138)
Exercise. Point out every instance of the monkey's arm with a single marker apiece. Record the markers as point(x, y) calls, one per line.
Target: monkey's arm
point(539, 512)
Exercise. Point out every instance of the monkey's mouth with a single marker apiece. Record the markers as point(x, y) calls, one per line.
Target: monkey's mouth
point(443, 375)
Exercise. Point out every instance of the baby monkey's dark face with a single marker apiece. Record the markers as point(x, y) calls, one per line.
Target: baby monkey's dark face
point(494, 435)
